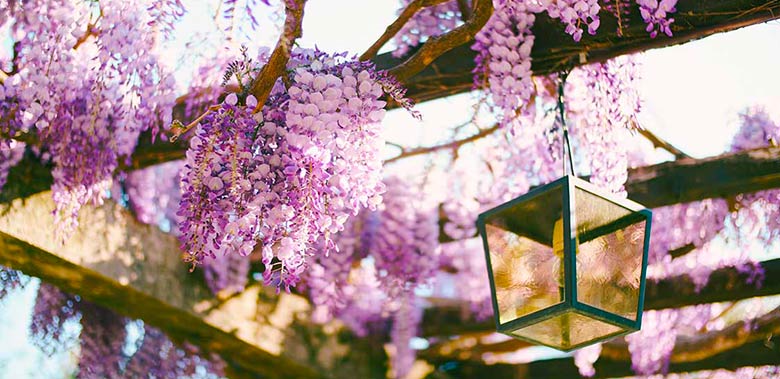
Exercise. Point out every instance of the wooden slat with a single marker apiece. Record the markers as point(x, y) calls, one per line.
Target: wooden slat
point(137, 271)
point(688, 348)
point(754, 354)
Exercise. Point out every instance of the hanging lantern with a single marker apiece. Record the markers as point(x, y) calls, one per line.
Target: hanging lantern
point(567, 264)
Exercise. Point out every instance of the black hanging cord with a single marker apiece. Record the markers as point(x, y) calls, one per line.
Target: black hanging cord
point(562, 114)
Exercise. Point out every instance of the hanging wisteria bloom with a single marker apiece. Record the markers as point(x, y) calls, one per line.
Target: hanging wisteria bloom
point(655, 14)
point(10, 280)
point(757, 218)
point(503, 58)
point(153, 194)
point(366, 301)
point(226, 274)
point(605, 104)
point(427, 22)
point(53, 308)
point(404, 240)
point(87, 92)
point(103, 334)
point(11, 153)
point(328, 277)
point(575, 14)
point(286, 179)
point(406, 321)
point(467, 259)
point(585, 358)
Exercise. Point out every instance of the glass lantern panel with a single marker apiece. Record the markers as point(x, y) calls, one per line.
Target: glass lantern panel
point(527, 274)
point(609, 254)
point(567, 330)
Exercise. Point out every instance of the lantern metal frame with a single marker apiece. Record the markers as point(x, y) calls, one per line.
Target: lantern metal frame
point(569, 303)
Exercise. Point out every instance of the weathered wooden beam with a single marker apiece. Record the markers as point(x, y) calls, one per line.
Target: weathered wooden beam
point(725, 284)
point(136, 270)
point(759, 353)
point(680, 181)
point(688, 179)
point(705, 345)
point(686, 349)
point(555, 50)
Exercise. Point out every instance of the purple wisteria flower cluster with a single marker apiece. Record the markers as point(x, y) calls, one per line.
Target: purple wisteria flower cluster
point(153, 194)
point(382, 258)
point(758, 214)
point(606, 103)
point(284, 181)
point(102, 335)
point(655, 14)
point(11, 280)
point(426, 23)
point(89, 84)
point(504, 57)
point(157, 357)
point(103, 341)
point(404, 240)
point(575, 14)
point(11, 152)
point(328, 278)
point(406, 322)
point(52, 309)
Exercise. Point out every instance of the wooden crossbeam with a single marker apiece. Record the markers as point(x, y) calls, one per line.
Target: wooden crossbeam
point(680, 181)
point(688, 348)
point(554, 50)
point(136, 270)
point(754, 354)
point(726, 284)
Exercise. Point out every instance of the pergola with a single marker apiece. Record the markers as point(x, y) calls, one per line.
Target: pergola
point(136, 270)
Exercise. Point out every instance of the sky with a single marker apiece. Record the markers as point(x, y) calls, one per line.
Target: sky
point(691, 94)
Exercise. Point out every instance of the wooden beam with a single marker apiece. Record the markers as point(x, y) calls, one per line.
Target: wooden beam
point(726, 284)
point(137, 271)
point(680, 181)
point(754, 354)
point(554, 50)
point(702, 346)
point(760, 353)
point(687, 348)
point(688, 179)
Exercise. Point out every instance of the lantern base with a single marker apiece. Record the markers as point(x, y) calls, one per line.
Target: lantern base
point(568, 331)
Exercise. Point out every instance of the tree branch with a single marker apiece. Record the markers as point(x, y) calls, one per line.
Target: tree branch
point(90, 32)
point(436, 46)
point(444, 146)
point(451, 73)
point(397, 25)
point(277, 63)
point(661, 143)
point(465, 10)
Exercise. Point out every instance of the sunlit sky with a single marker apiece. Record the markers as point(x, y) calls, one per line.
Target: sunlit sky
point(691, 96)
